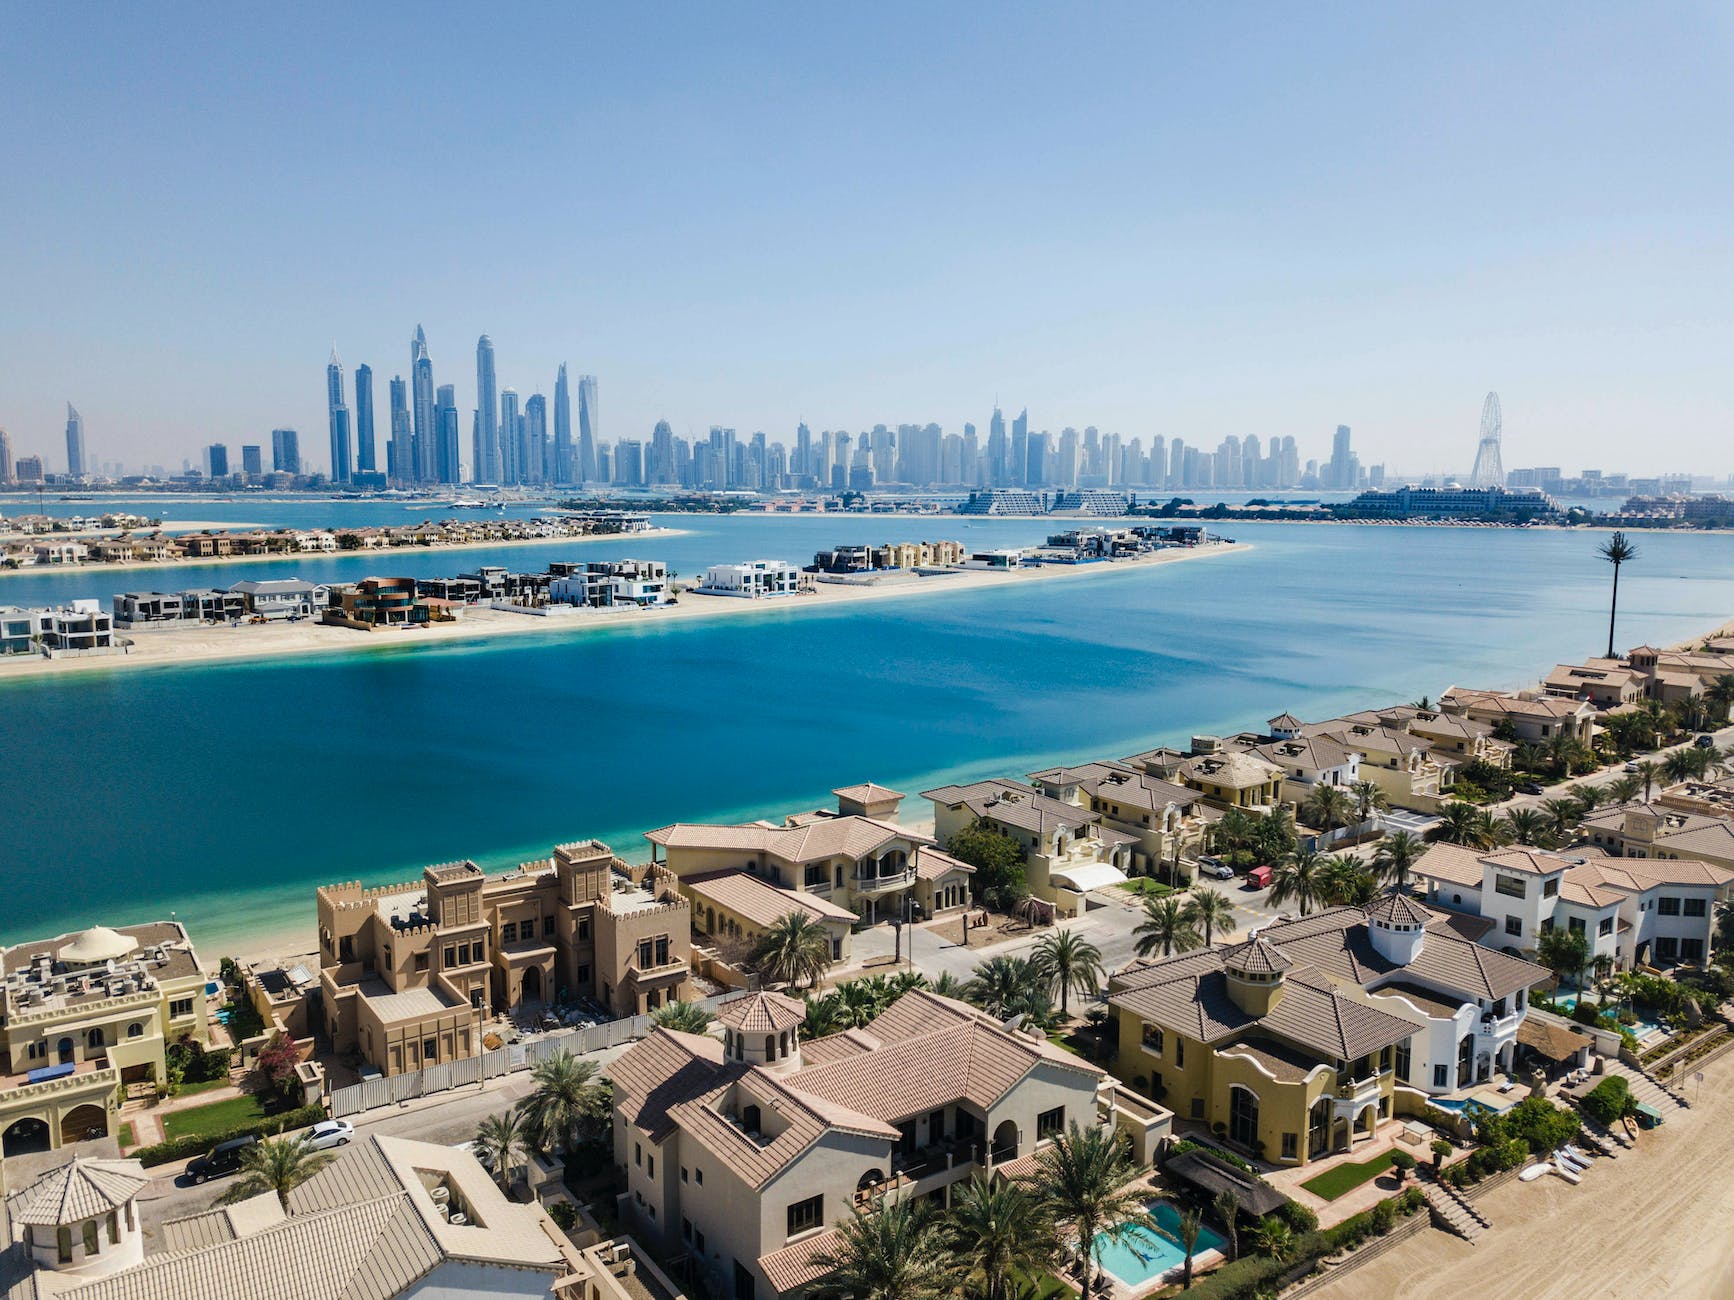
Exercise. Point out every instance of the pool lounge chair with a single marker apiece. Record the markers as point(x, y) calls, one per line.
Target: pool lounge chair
point(1569, 1175)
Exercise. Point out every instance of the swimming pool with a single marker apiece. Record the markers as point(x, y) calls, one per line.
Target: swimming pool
point(1468, 1105)
point(1641, 1031)
point(1159, 1253)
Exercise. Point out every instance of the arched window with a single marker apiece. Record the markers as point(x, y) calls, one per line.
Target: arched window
point(1243, 1116)
point(90, 1237)
point(135, 1030)
point(93, 1038)
point(65, 1050)
point(770, 1047)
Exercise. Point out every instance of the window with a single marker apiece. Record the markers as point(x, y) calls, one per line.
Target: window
point(421, 962)
point(113, 1228)
point(547, 927)
point(63, 1241)
point(1050, 1122)
point(686, 1229)
point(1514, 925)
point(1242, 1116)
point(135, 1030)
point(650, 1167)
point(180, 1008)
point(1606, 926)
point(1575, 924)
point(509, 932)
point(584, 931)
point(807, 1214)
point(1153, 1038)
point(93, 1038)
point(1404, 1059)
point(698, 1240)
point(646, 952)
point(817, 875)
point(1290, 1145)
point(1198, 1108)
point(1694, 907)
point(430, 1050)
point(662, 951)
point(683, 1173)
point(1441, 1075)
point(583, 974)
point(451, 954)
point(1180, 1052)
point(698, 1176)
point(90, 1236)
point(1692, 950)
point(1550, 887)
point(637, 1154)
point(1511, 886)
point(476, 997)
point(1668, 906)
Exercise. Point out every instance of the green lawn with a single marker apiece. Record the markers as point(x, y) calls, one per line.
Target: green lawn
point(1044, 1287)
point(1145, 887)
point(1346, 1177)
point(125, 1136)
point(189, 1089)
point(217, 1117)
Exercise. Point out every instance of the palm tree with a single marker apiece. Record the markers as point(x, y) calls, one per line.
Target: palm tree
point(1085, 1180)
point(1528, 826)
point(1562, 815)
point(947, 985)
point(1327, 807)
point(890, 1252)
point(503, 1139)
point(1490, 831)
point(1682, 764)
point(1210, 910)
point(1227, 1206)
point(1458, 824)
point(1187, 1230)
point(1166, 926)
point(1589, 797)
point(1273, 1237)
point(1720, 695)
point(1529, 756)
point(1068, 961)
point(683, 1018)
point(1300, 877)
point(1396, 857)
point(1033, 1006)
point(277, 1165)
point(1000, 982)
point(795, 950)
point(1616, 551)
point(565, 1104)
point(1345, 881)
point(1625, 788)
point(1369, 799)
point(1000, 1230)
point(1651, 774)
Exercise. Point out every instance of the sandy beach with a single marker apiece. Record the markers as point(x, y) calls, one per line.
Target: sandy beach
point(302, 557)
point(206, 644)
point(1653, 1222)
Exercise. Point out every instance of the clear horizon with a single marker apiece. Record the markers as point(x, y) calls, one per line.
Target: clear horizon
point(1157, 222)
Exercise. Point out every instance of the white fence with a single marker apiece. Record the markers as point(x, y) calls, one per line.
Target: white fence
point(373, 1093)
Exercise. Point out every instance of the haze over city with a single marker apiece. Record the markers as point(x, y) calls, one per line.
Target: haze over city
point(1262, 223)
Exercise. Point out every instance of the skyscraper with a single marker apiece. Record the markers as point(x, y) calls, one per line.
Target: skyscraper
point(74, 441)
point(341, 464)
point(487, 429)
point(217, 460)
point(286, 451)
point(564, 464)
point(535, 439)
point(448, 463)
point(400, 451)
point(251, 462)
point(589, 427)
point(5, 457)
point(511, 463)
point(1020, 436)
point(364, 417)
point(422, 466)
point(998, 454)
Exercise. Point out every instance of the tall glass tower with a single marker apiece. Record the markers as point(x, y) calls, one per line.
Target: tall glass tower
point(342, 467)
point(449, 462)
point(589, 427)
point(364, 418)
point(422, 465)
point(74, 441)
point(399, 452)
point(563, 463)
point(487, 431)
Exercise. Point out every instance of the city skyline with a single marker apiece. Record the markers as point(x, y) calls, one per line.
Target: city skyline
point(1249, 243)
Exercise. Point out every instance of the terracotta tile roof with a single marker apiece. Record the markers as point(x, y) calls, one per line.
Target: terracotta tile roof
point(931, 864)
point(1285, 722)
point(1254, 957)
point(792, 1267)
point(761, 1013)
point(867, 792)
point(1310, 753)
point(826, 837)
point(1314, 1015)
point(78, 1190)
point(1230, 770)
point(1453, 862)
point(1398, 909)
point(661, 1071)
point(759, 901)
point(1529, 862)
point(1013, 804)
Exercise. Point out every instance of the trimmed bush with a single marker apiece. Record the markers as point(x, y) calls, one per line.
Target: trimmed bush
point(1299, 1217)
point(1383, 1217)
point(1606, 1102)
point(196, 1144)
point(1403, 1161)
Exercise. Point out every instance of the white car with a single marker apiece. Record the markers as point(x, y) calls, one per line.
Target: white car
point(328, 1133)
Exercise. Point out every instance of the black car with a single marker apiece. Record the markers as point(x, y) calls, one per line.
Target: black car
point(1532, 787)
point(224, 1158)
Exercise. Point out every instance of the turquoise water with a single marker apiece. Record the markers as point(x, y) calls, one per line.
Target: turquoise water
point(1159, 1254)
point(1468, 1105)
point(1641, 1030)
point(226, 792)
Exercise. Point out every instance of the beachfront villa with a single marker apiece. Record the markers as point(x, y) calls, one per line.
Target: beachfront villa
point(1640, 908)
point(1166, 821)
point(83, 1015)
point(283, 598)
point(838, 868)
point(1069, 850)
point(746, 1151)
point(754, 579)
point(391, 1217)
point(409, 972)
point(608, 584)
point(1230, 778)
point(1306, 1038)
point(1533, 717)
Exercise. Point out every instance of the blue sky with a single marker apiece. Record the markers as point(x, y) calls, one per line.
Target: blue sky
point(1156, 219)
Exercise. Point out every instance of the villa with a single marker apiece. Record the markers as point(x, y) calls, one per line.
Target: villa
point(391, 1217)
point(1306, 1038)
point(840, 868)
point(408, 972)
point(1166, 821)
point(1068, 850)
point(283, 597)
point(746, 1152)
point(1537, 719)
point(605, 584)
point(754, 579)
point(1632, 910)
point(1229, 778)
point(82, 1016)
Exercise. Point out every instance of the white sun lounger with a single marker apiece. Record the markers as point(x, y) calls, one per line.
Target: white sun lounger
point(1565, 1173)
point(1576, 1166)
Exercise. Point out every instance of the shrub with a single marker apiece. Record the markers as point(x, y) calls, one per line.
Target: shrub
point(564, 1214)
point(1606, 1102)
point(1403, 1161)
point(1441, 1149)
point(196, 1144)
point(1299, 1217)
point(1384, 1215)
point(1411, 1200)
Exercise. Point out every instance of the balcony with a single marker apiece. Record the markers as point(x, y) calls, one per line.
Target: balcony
point(1355, 1096)
point(1497, 1029)
point(920, 1172)
point(866, 884)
